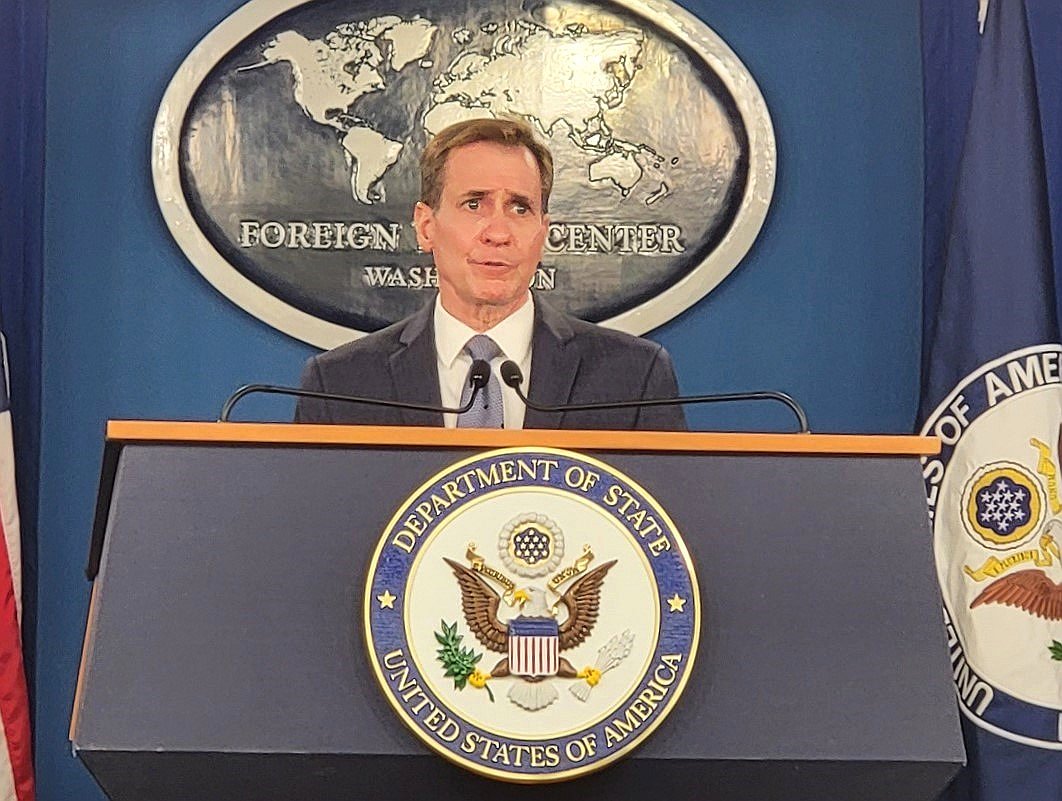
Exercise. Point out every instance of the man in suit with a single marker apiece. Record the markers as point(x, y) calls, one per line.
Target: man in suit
point(485, 188)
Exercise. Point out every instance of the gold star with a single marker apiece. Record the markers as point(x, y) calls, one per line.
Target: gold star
point(387, 600)
point(676, 603)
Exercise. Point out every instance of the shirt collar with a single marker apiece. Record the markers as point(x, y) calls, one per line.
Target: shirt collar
point(512, 335)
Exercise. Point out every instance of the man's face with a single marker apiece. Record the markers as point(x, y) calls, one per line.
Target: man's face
point(487, 234)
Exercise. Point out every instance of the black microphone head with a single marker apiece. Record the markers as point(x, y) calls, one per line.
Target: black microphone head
point(511, 373)
point(479, 374)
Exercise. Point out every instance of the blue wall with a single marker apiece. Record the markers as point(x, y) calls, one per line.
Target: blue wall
point(826, 305)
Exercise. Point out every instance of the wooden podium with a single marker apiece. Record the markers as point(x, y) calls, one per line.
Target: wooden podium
point(224, 656)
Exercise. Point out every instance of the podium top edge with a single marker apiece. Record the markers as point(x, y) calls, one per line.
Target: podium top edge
point(159, 431)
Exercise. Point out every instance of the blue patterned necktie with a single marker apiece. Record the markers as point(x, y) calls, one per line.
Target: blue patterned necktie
point(488, 411)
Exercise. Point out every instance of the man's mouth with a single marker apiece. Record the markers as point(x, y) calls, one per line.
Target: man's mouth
point(497, 265)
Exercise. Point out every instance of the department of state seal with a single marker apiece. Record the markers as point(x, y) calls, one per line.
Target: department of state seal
point(996, 504)
point(531, 614)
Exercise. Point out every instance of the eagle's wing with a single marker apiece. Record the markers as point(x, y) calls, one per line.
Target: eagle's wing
point(480, 604)
point(1030, 590)
point(582, 600)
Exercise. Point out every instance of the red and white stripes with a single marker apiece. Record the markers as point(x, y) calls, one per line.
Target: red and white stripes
point(16, 761)
point(533, 655)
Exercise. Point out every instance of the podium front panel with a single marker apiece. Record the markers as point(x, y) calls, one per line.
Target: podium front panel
point(228, 607)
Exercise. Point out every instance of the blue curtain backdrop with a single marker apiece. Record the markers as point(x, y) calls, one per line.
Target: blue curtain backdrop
point(826, 305)
point(22, 59)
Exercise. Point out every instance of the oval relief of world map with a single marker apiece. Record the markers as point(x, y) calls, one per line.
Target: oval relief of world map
point(285, 153)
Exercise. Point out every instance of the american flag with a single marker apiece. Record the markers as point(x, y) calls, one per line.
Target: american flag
point(533, 646)
point(16, 762)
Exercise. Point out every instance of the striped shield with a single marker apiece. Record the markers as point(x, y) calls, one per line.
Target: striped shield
point(533, 646)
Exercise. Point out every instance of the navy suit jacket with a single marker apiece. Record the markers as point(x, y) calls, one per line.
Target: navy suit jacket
point(571, 362)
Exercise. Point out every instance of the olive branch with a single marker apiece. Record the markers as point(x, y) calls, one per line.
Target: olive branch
point(459, 661)
point(1056, 650)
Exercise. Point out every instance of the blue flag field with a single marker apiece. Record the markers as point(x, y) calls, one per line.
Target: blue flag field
point(991, 392)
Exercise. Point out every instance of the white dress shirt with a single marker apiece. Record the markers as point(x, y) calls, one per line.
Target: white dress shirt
point(512, 335)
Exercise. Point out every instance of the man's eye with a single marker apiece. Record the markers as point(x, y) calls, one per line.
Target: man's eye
point(473, 203)
point(521, 208)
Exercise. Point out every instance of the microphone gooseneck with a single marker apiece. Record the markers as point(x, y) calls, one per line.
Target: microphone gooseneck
point(513, 377)
point(478, 376)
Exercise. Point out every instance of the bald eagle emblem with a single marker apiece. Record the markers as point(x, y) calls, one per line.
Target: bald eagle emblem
point(549, 621)
point(1029, 590)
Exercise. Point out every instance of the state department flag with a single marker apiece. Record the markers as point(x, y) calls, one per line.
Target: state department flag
point(16, 765)
point(991, 392)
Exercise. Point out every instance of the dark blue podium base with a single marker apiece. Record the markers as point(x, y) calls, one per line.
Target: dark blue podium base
point(225, 657)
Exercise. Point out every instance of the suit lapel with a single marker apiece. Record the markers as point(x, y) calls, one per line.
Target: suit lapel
point(554, 365)
point(415, 370)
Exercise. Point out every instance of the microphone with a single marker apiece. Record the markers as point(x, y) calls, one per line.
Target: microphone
point(478, 376)
point(513, 377)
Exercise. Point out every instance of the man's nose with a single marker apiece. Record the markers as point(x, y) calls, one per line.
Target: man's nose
point(497, 229)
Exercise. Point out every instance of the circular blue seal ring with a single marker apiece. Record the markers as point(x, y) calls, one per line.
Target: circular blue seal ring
point(998, 428)
point(428, 686)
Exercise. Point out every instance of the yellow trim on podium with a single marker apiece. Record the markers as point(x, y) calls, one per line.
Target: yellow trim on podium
point(132, 431)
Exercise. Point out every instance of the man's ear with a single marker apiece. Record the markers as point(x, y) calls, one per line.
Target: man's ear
point(545, 229)
point(424, 224)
